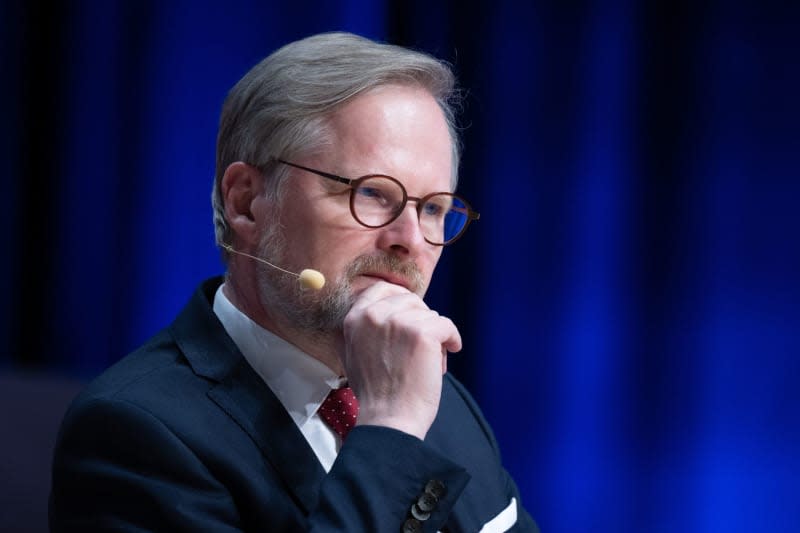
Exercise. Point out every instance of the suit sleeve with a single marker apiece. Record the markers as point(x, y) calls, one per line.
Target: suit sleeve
point(379, 476)
point(381, 473)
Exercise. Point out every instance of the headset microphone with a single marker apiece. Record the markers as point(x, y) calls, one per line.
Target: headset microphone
point(310, 279)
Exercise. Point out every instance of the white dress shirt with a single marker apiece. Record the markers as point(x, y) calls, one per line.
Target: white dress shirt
point(300, 381)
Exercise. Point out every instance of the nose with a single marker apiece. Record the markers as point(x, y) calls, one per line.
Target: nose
point(403, 236)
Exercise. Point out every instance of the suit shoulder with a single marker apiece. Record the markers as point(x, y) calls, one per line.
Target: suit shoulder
point(155, 369)
point(455, 391)
point(456, 398)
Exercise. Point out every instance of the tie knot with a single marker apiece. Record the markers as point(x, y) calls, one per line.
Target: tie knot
point(340, 410)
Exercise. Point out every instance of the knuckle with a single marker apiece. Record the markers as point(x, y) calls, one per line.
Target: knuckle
point(372, 315)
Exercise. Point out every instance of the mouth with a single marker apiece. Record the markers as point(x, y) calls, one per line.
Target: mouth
point(388, 268)
point(388, 277)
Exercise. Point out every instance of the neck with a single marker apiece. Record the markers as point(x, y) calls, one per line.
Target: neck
point(323, 346)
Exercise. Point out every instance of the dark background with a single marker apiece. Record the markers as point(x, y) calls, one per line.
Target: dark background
point(629, 300)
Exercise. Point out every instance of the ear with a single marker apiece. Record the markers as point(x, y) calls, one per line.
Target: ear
point(241, 186)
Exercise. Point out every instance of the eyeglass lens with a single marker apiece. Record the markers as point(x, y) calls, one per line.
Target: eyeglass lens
point(378, 200)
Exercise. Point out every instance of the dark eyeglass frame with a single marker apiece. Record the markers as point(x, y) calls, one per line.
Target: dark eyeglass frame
point(353, 184)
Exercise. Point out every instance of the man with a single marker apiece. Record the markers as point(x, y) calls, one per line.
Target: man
point(338, 154)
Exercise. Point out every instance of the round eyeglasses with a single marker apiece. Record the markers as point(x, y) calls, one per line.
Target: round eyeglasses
point(377, 200)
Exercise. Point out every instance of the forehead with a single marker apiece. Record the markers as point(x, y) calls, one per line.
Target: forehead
point(396, 130)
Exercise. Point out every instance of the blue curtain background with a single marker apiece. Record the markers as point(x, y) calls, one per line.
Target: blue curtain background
point(629, 299)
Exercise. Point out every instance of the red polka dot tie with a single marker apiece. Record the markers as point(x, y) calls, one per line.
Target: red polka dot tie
point(339, 411)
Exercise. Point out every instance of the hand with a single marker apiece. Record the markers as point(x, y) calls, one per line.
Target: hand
point(395, 356)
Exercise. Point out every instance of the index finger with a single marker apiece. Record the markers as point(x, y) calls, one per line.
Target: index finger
point(377, 292)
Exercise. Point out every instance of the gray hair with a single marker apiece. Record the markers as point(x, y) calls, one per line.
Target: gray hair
point(279, 108)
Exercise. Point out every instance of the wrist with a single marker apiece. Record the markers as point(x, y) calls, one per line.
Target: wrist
point(413, 425)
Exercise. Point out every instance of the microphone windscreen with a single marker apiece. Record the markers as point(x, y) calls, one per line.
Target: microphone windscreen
point(312, 279)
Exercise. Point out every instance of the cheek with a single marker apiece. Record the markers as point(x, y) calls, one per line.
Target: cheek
point(335, 248)
point(426, 263)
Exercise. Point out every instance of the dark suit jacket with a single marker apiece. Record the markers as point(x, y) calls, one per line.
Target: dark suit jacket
point(183, 435)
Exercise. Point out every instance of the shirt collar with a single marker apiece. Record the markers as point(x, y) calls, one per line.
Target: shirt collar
point(300, 381)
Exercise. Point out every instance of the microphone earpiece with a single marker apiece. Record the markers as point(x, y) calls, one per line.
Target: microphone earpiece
point(308, 278)
point(311, 279)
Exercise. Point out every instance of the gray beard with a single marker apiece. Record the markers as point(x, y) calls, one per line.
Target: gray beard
point(319, 312)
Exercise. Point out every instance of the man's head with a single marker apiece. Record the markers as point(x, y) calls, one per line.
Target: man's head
point(346, 106)
point(279, 108)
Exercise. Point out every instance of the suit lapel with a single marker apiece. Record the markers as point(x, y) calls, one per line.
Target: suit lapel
point(246, 399)
point(244, 396)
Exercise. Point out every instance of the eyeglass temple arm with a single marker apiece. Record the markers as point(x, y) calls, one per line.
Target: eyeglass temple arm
point(333, 177)
point(472, 215)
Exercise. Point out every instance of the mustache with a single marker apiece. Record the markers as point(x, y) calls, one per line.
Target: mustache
point(385, 263)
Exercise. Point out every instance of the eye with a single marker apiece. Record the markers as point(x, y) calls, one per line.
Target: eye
point(432, 209)
point(437, 206)
point(372, 193)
